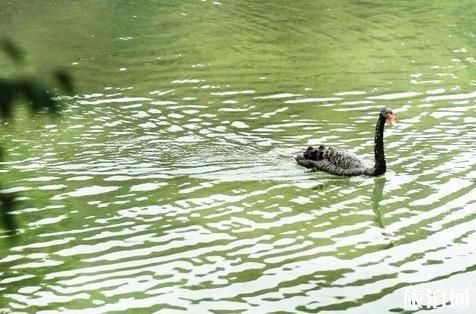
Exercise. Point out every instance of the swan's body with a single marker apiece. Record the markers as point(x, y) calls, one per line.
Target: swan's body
point(344, 163)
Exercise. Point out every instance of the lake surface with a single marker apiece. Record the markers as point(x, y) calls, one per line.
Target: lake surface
point(168, 184)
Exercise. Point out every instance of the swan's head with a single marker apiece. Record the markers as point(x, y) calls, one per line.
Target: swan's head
point(389, 116)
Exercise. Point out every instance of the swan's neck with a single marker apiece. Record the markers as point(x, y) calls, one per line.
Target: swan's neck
point(380, 165)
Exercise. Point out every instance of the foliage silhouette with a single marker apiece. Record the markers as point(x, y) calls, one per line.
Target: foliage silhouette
point(38, 98)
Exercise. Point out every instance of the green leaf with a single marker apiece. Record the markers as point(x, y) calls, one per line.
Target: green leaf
point(12, 50)
point(65, 80)
point(7, 205)
point(38, 96)
point(7, 96)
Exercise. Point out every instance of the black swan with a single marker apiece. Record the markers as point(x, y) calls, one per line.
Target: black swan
point(344, 163)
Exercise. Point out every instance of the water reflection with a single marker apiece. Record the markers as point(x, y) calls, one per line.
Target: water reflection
point(377, 194)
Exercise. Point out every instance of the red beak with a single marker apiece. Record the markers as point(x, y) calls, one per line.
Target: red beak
point(391, 118)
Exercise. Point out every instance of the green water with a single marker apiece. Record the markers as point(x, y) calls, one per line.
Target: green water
point(168, 184)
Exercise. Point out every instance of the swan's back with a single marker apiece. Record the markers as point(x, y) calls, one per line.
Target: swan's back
point(340, 158)
point(333, 161)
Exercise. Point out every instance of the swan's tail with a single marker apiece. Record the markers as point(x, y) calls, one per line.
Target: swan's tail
point(298, 156)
